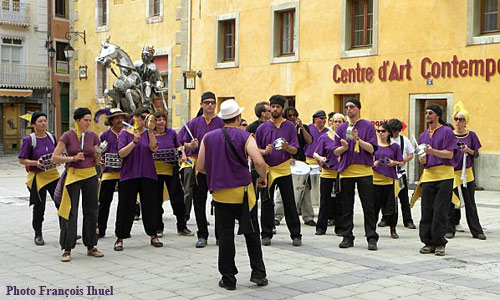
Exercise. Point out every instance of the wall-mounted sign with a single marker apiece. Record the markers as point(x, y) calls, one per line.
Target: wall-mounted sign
point(189, 80)
point(62, 67)
point(392, 71)
point(82, 72)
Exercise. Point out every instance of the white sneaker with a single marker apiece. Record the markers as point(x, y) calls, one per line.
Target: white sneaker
point(459, 228)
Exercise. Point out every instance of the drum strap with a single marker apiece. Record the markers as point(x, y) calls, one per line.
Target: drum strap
point(228, 140)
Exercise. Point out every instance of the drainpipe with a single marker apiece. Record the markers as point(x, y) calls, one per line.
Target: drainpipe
point(190, 13)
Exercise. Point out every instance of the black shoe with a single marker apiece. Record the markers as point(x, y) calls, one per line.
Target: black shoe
point(118, 245)
point(101, 235)
point(78, 237)
point(310, 223)
point(382, 223)
point(346, 243)
point(480, 236)
point(266, 241)
point(410, 225)
point(39, 240)
point(226, 286)
point(372, 245)
point(320, 232)
point(185, 232)
point(201, 243)
point(449, 235)
point(260, 281)
point(156, 243)
point(277, 222)
point(297, 242)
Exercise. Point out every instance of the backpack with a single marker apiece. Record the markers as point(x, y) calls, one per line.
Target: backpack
point(33, 139)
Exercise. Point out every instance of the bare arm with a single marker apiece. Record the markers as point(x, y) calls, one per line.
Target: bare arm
point(366, 146)
point(31, 163)
point(307, 136)
point(408, 157)
point(448, 154)
point(58, 158)
point(153, 144)
point(200, 161)
point(256, 156)
point(125, 151)
point(340, 150)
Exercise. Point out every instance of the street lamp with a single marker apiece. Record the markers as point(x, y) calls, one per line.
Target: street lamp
point(69, 51)
point(52, 52)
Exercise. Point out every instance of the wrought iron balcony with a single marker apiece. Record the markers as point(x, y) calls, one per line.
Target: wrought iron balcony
point(24, 76)
point(15, 13)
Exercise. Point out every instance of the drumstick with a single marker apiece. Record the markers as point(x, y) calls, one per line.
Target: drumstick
point(127, 125)
point(83, 140)
point(187, 129)
point(414, 140)
point(333, 131)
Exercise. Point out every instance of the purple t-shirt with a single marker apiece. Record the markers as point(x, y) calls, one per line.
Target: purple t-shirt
point(112, 138)
point(139, 162)
point(366, 132)
point(43, 146)
point(74, 146)
point(199, 128)
point(167, 140)
point(442, 139)
point(310, 148)
point(325, 148)
point(472, 141)
point(392, 152)
point(224, 171)
point(267, 133)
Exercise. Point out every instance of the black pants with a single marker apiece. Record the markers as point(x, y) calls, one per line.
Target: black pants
point(105, 198)
point(176, 198)
point(329, 207)
point(285, 185)
point(225, 214)
point(188, 183)
point(260, 193)
point(405, 204)
point(127, 196)
point(365, 190)
point(38, 200)
point(90, 207)
point(470, 211)
point(200, 205)
point(436, 199)
point(385, 202)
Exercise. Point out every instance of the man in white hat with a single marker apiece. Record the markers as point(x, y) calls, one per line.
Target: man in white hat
point(110, 175)
point(223, 156)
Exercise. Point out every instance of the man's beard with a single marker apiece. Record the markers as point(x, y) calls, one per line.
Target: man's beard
point(275, 117)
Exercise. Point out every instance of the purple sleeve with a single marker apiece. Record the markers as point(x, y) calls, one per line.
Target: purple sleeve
point(450, 142)
point(371, 137)
point(180, 135)
point(97, 141)
point(103, 136)
point(258, 139)
point(399, 153)
point(25, 151)
point(476, 144)
point(65, 138)
point(176, 139)
point(123, 139)
point(294, 140)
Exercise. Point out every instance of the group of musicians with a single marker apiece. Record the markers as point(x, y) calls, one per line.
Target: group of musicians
point(214, 153)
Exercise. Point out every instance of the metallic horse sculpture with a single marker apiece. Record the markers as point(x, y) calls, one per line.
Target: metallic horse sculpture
point(132, 88)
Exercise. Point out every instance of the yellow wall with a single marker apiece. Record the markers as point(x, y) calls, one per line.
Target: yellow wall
point(406, 30)
point(129, 30)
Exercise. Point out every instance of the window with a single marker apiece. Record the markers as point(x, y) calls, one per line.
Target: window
point(362, 23)
point(12, 51)
point(13, 5)
point(101, 15)
point(489, 16)
point(229, 39)
point(226, 35)
point(287, 35)
point(61, 60)
point(101, 81)
point(359, 28)
point(154, 11)
point(289, 101)
point(483, 22)
point(285, 32)
point(61, 7)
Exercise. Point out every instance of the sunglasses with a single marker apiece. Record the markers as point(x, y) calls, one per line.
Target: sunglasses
point(209, 102)
point(381, 130)
point(460, 119)
point(351, 106)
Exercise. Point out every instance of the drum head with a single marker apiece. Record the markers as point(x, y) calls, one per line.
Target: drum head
point(315, 170)
point(300, 168)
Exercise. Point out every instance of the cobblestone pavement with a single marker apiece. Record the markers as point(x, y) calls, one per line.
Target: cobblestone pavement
point(317, 270)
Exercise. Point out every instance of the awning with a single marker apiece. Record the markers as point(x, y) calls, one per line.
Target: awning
point(15, 93)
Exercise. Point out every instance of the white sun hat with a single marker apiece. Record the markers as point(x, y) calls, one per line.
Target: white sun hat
point(230, 109)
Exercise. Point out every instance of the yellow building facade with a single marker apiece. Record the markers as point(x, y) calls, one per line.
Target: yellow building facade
point(395, 56)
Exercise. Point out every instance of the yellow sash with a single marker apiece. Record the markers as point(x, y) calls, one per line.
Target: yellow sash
point(110, 176)
point(278, 171)
point(380, 179)
point(311, 161)
point(327, 173)
point(356, 170)
point(457, 181)
point(42, 178)
point(187, 164)
point(163, 168)
point(436, 173)
point(235, 195)
point(73, 175)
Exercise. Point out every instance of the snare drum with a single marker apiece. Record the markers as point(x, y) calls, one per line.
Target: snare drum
point(300, 172)
point(112, 160)
point(46, 162)
point(166, 155)
point(315, 178)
